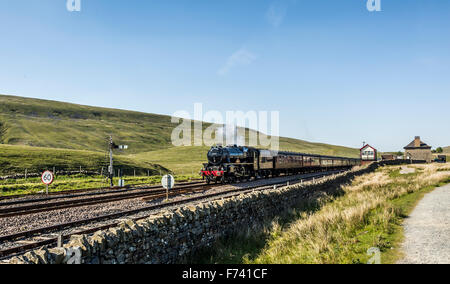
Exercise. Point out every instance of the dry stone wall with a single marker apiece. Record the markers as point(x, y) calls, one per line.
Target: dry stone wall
point(172, 235)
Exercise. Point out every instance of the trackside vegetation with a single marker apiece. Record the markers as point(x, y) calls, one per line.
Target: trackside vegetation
point(74, 182)
point(338, 229)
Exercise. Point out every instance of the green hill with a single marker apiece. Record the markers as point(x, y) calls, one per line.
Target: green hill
point(15, 159)
point(41, 124)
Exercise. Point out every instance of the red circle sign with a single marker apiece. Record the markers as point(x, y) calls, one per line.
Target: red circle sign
point(47, 177)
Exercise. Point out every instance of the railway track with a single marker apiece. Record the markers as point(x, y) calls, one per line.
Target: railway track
point(84, 190)
point(73, 193)
point(34, 238)
point(105, 197)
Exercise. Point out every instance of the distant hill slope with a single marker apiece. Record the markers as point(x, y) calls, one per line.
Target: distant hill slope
point(50, 124)
point(447, 150)
point(15, 159)
point(42, 123)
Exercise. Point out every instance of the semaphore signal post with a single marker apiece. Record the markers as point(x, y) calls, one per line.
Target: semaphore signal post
point(113, 146)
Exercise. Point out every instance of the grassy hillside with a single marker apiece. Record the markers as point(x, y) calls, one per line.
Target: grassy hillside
point(15, 159)
point(296, 145)
point(447, 150)
point(57, 125)
point(42, 123)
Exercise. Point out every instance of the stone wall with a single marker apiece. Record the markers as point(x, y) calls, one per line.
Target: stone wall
point(172, 235)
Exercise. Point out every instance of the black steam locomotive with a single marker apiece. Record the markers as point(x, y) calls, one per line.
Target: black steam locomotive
point(232, 164)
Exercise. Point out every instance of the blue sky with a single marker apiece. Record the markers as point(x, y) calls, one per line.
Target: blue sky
point(337, 73)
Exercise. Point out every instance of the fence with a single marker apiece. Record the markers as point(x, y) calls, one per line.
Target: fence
point(72, 171)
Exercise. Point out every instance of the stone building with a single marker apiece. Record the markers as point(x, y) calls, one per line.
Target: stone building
point(418, 151)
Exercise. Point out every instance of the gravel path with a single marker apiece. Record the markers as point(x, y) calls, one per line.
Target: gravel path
point(406, 170)
point(427, 230)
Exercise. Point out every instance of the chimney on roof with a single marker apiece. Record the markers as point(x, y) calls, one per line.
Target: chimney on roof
point(417, 142)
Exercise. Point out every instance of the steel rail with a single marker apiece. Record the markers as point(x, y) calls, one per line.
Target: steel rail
point(69, 192)
point(38, 208)
point(67, 196)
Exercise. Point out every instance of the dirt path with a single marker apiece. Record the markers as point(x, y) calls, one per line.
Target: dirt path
point(427, 230)
point(406, 170)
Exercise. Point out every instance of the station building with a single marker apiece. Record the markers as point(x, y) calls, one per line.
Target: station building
point(417, 150)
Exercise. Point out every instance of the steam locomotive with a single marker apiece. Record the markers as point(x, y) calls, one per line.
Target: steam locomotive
point(233, 164)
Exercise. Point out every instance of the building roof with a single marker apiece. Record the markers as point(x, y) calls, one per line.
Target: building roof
point(423, 145)
point(366, 146)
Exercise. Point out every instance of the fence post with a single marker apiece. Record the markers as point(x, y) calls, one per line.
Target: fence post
point(80, 169)
point(26, 173)
point(134, 172)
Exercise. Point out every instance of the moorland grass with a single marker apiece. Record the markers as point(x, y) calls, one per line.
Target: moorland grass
point(48, 125)
point(17, 159)
point(337, 229)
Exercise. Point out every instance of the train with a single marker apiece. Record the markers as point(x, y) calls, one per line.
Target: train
point(234, 163)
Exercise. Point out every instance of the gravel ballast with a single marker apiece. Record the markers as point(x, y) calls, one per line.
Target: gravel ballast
point(427, 230)
point(16, 224)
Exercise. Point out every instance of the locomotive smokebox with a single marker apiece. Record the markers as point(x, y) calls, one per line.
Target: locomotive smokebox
point(216, 155)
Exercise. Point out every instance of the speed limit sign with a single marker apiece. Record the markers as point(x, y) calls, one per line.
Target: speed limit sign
point(47, 177)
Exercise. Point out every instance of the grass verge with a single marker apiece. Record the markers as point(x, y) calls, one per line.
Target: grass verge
point(337, 229)
point(17, 159)
point(65, 183)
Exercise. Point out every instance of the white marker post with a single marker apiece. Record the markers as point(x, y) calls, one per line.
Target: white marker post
point(47, 179)
point(168, 181)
